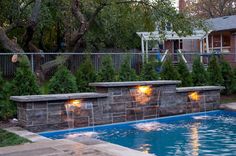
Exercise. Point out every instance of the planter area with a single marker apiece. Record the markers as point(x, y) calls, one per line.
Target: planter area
point(114, 102)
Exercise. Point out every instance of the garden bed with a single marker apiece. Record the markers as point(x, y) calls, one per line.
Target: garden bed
point(228, 98)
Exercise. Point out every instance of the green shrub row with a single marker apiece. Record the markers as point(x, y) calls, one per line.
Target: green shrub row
point(219, 72)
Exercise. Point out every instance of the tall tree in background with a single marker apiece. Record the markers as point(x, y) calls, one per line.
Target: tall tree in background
point(211, 8)
point(74, 25)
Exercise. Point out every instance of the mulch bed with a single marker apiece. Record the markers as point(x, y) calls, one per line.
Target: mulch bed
point(228, 98)
point(7, 124)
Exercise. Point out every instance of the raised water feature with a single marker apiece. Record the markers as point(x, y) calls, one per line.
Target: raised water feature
point(113, 102)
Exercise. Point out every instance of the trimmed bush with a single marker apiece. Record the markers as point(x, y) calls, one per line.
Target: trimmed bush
point(63, 81)
point(24, 82)
point(214, 72)
point(168, 71)
point(127, 73)
point(148, 72)
point(85, 75)
point(107, 72)
point(7, 107)
point(185, 75)
point(1, 81)
point(199, 74)
point(228, 77)
point(234, 86)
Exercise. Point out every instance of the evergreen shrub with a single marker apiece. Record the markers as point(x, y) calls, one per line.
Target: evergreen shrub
point(63, 81)
point(199, 74)
point(148, 72)
point(85, 75)
point(234, 86)
point(7, 107)
point(168, 71)
point(214, 72)
point(24, 82)
point(185, 75)
point(107, 71)
point(127, 73)
point(228, 77)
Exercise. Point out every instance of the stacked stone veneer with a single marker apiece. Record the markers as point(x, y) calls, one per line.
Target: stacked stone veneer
point(112, 103)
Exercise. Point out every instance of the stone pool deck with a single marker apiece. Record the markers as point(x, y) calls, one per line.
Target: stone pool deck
point(229, 106)
point(42, 146)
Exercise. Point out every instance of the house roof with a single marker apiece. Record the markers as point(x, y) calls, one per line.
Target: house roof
point(170, 35)
point(222, 23)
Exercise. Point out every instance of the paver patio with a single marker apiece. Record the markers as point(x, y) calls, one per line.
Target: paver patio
point(76, 147)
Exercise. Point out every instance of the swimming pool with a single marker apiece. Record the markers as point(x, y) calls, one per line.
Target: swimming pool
point(213, 133)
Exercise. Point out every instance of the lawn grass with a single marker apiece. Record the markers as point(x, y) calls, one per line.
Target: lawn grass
point(9, 139)
point(228, 99)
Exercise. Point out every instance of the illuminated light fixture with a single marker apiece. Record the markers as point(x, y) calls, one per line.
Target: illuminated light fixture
point(142, 94)
point(194, 96)
point(147, 90)
point(73, 103)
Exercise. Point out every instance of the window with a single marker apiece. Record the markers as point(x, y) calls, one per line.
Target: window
point(226, 39)
point(216, 40)
point(168, 27)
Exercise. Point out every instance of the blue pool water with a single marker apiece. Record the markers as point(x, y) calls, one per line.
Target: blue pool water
point(192, 134)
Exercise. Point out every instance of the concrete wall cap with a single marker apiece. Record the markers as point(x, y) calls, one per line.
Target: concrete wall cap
point(134, 83)
point(55, 97)
point(199, 88)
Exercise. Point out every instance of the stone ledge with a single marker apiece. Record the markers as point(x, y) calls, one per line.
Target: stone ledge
point(228, 106)
point(134, 83)
point(199, 88)
point(55, 97)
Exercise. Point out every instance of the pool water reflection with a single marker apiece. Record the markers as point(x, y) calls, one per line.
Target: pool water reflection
point(192, 134)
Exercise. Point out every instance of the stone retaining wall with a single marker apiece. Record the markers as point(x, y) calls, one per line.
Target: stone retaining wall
point(113, 102)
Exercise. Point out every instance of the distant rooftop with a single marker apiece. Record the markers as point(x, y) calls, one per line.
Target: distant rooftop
point(222, 23)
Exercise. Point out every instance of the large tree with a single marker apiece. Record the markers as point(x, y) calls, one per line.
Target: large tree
point(31, 25)
point(211, 8)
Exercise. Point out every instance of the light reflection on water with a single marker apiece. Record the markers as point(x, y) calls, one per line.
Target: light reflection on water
point(195, 139)
point(84, 134)
point(151, 126)
point(198, 136)
point(201, 136)
point(204, 117)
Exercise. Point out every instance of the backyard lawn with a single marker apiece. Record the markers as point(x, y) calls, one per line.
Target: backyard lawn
point(9, 139)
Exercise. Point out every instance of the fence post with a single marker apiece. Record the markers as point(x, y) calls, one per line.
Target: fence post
point(32, 62)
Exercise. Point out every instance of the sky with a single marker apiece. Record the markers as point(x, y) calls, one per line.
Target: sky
point(175, 3)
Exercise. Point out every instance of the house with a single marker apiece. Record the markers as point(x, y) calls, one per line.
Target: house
point(220, 39)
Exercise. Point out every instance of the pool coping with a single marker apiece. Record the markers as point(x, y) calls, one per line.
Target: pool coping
point(55, 97)
point(100, 145)
point(134, 83)
point(108, 148)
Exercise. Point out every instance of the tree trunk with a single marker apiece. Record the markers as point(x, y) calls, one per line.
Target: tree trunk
point(11, 45)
